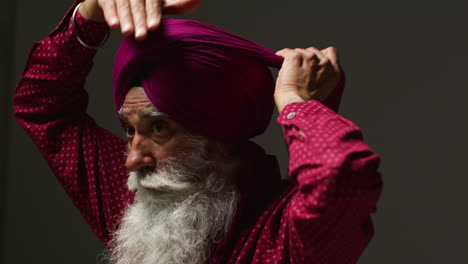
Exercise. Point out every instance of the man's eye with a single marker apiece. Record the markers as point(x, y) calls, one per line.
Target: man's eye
point(159, 126)
point(129, 131)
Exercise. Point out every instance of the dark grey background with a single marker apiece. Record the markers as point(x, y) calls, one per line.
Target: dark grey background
point(406, 68)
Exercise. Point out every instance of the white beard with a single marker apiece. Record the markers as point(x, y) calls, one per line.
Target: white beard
point(179, 211)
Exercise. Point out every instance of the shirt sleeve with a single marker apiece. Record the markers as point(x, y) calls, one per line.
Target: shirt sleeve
point(338, 185)
point(50, 104)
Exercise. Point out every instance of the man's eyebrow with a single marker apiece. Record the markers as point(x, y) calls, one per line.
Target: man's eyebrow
point(151, 112)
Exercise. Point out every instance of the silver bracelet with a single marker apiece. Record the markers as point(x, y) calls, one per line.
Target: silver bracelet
point(75, 32)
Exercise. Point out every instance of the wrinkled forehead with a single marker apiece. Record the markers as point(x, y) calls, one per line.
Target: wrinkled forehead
point(137, 102)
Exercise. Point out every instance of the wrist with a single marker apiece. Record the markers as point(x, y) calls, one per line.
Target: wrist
point(91, 10)
point(283, 99)
point(88, 33)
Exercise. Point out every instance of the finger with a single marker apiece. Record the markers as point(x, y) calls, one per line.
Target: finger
point(283, 52)
point(308, 57)
point(110, 13)
point(323, 59)
point(153, 13)
point(332, 54)
point(174, 7)
point(292, 56)
point(139, 18)
point(125, 17)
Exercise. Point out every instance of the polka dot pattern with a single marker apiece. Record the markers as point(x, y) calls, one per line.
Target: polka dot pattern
point(50, 104)
point(323, 216)
point(320, 215)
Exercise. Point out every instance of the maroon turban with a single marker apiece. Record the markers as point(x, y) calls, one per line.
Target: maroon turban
point(207, 79)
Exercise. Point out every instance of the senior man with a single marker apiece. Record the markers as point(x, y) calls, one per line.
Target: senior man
point(194, 189)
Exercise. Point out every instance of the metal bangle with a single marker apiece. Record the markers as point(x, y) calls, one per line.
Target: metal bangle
point(75, 31)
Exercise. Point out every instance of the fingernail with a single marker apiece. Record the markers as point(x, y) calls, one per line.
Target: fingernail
point(140, 31)
point(114, 21)
point(152, 23)
point(126, 28)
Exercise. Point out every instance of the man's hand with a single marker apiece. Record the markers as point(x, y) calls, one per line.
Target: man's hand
point(134, 16)
point(306, 74)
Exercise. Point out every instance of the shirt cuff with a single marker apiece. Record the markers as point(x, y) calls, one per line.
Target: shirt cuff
point(90, 32)
point(301, 110)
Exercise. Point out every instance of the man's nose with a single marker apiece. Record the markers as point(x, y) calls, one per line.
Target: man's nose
point(140, 154)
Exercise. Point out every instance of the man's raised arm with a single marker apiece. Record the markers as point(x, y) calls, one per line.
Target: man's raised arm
point(50, 104)
point(335, 171)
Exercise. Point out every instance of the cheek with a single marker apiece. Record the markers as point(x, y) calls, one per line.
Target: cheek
point(162, 154)
point(166, 150)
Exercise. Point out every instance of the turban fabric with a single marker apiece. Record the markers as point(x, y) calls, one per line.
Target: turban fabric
point(207, 79)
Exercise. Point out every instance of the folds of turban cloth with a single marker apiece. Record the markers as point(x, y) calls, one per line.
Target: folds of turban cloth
point(207, 79)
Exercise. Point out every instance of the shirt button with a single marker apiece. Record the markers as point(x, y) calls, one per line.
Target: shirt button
point(291, 115)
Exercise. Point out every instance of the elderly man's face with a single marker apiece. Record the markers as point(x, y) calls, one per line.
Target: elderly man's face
point(152, 136)
point(185, 195)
